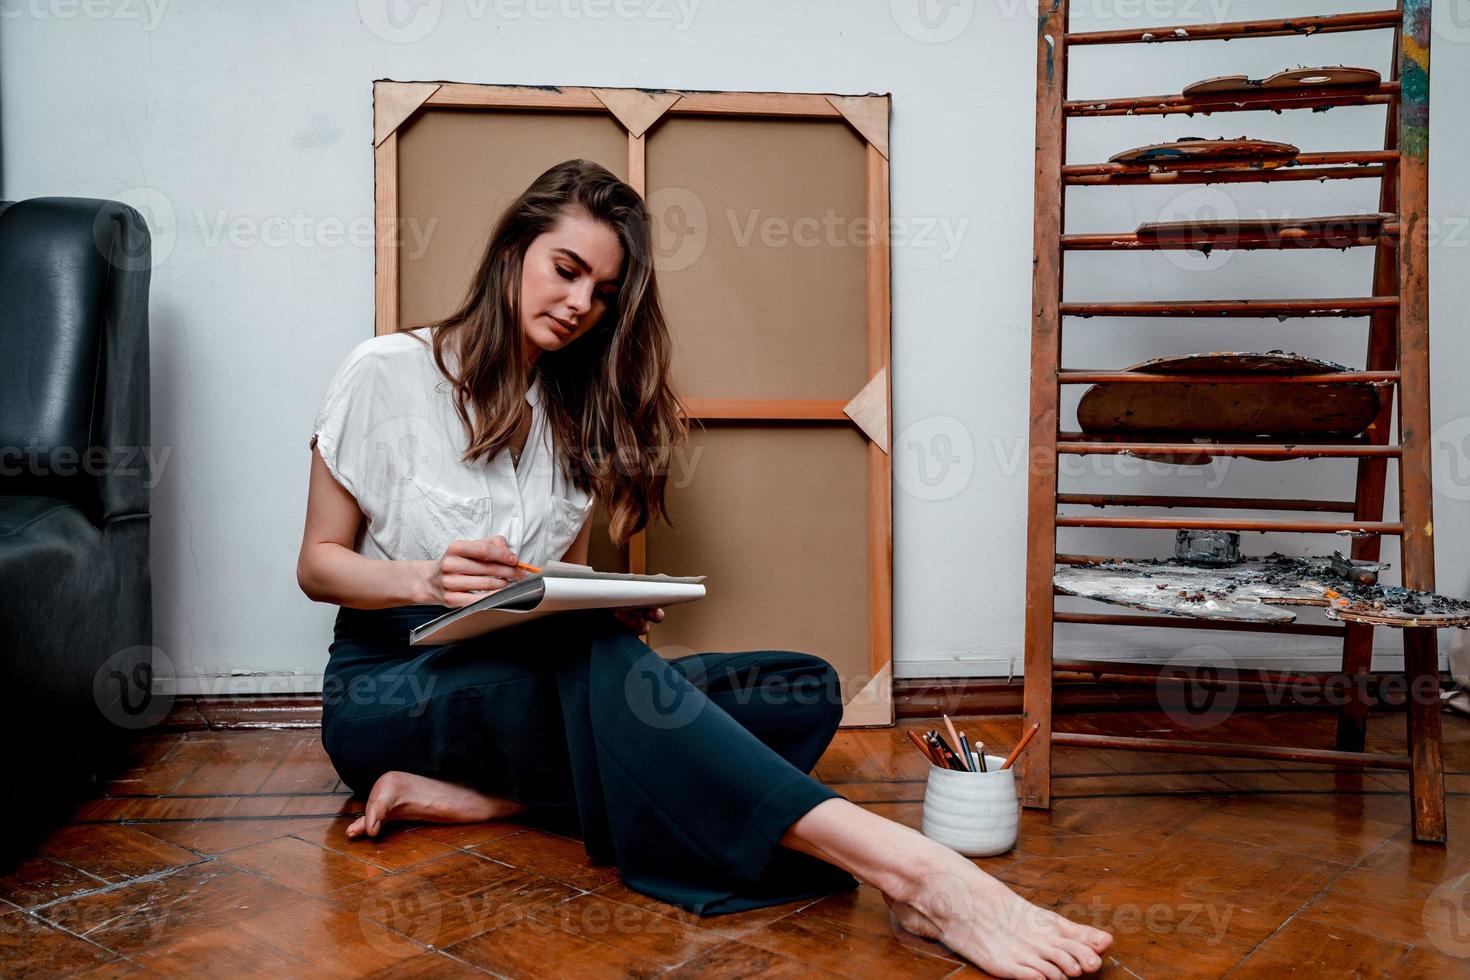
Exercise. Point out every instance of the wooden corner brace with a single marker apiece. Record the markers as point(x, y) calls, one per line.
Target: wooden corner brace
point(868, 114)
point(394, 102)
point(634, 108)
point(869, 409)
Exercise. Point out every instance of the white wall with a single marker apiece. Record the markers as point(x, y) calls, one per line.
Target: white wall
point(244, 130)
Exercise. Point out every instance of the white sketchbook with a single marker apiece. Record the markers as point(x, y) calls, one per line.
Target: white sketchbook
point(558, 587)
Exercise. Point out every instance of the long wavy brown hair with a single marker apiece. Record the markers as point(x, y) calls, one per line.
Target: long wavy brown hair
point(615, 417)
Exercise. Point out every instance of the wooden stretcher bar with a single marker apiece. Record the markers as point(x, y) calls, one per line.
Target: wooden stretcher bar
point(730, 409)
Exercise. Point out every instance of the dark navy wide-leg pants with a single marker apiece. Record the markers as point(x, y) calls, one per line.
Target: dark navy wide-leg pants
point(684, 773)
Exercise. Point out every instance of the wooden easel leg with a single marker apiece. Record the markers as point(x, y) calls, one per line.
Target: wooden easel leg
point(1352, 716)
point(1035, 763)
point(1426, 751)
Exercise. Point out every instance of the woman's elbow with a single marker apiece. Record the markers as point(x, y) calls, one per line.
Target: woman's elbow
point(307, 580)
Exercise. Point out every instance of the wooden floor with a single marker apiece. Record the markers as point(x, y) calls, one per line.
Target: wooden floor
point(222, 853)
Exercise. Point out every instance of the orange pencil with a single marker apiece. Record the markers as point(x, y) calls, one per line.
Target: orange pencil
point(527, 568)
point(954, 739)
point(921, 746)
point(1025, 741)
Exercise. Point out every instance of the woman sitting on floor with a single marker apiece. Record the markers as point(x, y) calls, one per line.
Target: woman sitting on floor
point(546, 391)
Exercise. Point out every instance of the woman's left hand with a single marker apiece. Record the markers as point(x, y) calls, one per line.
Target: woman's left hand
point(639, 620)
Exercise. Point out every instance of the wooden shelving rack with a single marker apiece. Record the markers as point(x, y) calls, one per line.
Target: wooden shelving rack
point(1397, 356)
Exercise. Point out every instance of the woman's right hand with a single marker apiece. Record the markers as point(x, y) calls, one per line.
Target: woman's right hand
point(469, 569)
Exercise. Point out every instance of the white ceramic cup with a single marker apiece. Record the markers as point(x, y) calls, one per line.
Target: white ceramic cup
point(975, 813)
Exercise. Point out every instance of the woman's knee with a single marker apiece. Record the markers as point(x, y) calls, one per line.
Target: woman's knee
point(811, 685)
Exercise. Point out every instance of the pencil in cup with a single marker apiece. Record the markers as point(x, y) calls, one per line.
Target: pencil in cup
point(1021, 745)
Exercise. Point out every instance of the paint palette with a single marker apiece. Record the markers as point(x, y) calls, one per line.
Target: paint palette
point(1181, 154)
point(1257, 591)
point(1336, 76)
point(1211, 410)
point(1339, 230)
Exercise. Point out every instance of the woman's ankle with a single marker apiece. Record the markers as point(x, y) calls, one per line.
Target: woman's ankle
point(889, 856)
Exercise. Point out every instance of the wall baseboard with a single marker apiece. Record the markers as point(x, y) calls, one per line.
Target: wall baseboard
point(191, 713)
point(913, 697)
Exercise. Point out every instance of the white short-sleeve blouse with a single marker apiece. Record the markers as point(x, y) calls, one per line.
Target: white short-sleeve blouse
point(389, 434)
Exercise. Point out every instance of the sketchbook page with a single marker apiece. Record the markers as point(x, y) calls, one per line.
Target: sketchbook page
point(524, 595)
point(582, 593)
point(565, 569)
point(560, 595)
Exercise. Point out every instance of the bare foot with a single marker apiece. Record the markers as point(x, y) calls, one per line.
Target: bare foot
point(404, 796)
point(984, 921)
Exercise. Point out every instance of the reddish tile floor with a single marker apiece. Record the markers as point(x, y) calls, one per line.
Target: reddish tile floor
point(223, 853)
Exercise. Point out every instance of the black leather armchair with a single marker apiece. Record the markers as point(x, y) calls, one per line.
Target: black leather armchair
point(76, 623)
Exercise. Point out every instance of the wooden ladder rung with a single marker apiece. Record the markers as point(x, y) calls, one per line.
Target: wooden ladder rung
point(1217, 674)
point(1303, 439)
point(1260, 100)
point(1235, 524)
point(1204, 503)
point(1328, 24)
point(1079, 376)
point(1271, 450)
point(1333, 158)
point(1189, 623)
point(1327, 757)
point(1375, 171)
point(1225, 241)
point(1282, 308)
